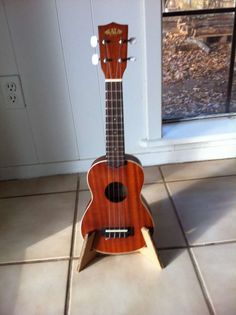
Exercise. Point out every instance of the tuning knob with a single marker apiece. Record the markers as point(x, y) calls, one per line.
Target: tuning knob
point(95, 59)
point(132, 40)
point(132, 59)
point(93, 41)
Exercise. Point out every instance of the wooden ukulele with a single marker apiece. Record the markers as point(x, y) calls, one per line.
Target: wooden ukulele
point(116, 212)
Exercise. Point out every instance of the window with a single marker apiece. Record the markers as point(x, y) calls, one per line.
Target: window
point(198, 59)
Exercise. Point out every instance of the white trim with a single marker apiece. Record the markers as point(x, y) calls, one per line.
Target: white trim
point(45, 169)
point(163, 154)
point(197, 131)
point(152, 19)
point(206, 139)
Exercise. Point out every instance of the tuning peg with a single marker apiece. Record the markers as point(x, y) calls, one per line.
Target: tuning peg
point(132, 40)
point(132, 59)
point(93, 41)
point(95, 59)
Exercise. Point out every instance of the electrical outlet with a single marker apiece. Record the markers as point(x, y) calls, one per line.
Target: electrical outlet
point(11, 91)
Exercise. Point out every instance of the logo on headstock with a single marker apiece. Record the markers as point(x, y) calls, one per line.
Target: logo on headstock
point(113, 31)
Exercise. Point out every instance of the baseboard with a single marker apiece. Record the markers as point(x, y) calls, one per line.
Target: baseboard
point(162, 155)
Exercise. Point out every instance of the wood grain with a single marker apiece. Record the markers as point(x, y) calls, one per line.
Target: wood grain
point(112, 50)
point(102, 213)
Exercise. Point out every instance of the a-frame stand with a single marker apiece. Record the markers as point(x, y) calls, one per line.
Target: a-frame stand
point(88, 253)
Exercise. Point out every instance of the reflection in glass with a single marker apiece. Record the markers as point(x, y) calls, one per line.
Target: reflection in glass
point(185, 5)
point(233, 93)
point(196, 58)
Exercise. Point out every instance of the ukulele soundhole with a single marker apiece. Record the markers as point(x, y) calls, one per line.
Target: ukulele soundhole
point(116, 192)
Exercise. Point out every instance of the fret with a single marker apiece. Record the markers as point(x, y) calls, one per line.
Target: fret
point(114, 120)
point(114, 116)
point(114, 148)
point(114, 139)
point(116, 100)
point(114, 136)
point(114, 125)
point(113, 112)
point(115, 157)
point(113, 92)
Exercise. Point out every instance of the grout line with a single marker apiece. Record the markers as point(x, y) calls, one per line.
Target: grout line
point(39, 194)
point(202, 283)
point(194, 264)
point(70, 267)
point(171, 247)
point(75, 257)
point(33, 261)
point(197, 178)
point(217, 243)
point(174, 208)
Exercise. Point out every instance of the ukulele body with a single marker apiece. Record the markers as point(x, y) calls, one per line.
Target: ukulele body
point(116, 211)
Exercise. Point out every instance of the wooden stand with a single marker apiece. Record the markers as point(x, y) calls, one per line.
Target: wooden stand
point(88, 253)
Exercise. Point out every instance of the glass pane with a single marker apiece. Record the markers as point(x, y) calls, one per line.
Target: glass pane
point(184, 5)
point(196, 58)
point(233, 94)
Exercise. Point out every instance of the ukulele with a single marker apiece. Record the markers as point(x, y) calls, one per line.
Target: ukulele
point(116, 211)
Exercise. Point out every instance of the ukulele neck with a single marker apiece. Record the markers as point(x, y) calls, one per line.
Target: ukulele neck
point(115, 146)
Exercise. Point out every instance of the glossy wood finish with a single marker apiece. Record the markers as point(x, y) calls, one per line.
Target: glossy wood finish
point(102, 213)
point(113, 49)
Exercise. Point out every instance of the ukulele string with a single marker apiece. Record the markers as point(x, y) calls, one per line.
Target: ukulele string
point(118, 152)
point(119, 149)
point(109, 129)
point(112, 153)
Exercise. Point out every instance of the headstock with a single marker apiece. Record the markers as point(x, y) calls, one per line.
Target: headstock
point(113, 41)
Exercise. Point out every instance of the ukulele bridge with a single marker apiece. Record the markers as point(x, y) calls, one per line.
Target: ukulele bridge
point(117, 232)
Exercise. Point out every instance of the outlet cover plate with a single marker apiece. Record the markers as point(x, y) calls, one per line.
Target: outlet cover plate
point(11, 93)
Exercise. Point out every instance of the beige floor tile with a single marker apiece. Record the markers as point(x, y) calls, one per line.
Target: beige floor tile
point(130, 284)
point(196, 170)
point(207, 208)
point(32, 289)
point(217, 265)
point(167, 232)
point(36, 227)
point(151, 175)
point(83, 181)
point(40, 185)
point(84, 197)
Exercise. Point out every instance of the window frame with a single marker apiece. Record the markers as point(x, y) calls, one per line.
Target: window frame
point(232, 56)
point(195, 140)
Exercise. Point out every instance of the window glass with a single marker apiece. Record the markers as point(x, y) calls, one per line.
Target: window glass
point(183, 5)
point(196, 60)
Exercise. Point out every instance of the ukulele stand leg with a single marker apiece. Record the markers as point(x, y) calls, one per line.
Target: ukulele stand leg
point(87, 252)
point(149, 250)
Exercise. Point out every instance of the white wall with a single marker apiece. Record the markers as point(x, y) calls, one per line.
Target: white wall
point(61, 129)
point(46, 42)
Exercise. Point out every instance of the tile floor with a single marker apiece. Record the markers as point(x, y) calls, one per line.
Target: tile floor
point(194, 207)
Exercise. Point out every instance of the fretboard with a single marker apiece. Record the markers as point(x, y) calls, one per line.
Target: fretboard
point(115, 151)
